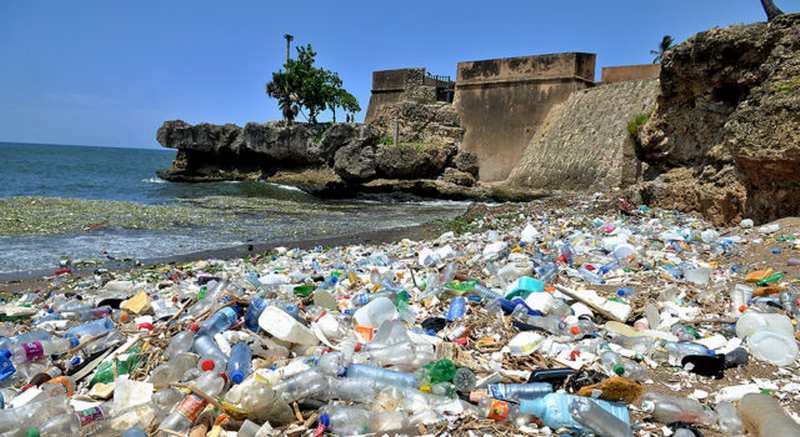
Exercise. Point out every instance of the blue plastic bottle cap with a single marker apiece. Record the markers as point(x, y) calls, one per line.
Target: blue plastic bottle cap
point(73, 340)
point(237, 376)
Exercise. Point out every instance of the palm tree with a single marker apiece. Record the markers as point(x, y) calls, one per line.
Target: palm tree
point(771, 10)
point(666, 44)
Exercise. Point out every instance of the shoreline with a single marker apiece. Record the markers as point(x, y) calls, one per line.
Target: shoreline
point(28, 279)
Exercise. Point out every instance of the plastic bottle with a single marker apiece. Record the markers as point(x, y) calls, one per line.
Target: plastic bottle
point(256, 398)
point(93, 328)
point(599, 421)
point(614, 363)
point(173, 370)
point(180, 342)
point(390, 377)
point(458, 306)
point(554, 410)
point(11, 342)
point(239, 362)
point(211, 356)
point(728, 419)
point(186, 412)
point(33, 413)
point(220, 321)
point(62, 425)
point(518, 392)
point(124, 365)
point(551, 324)
point(395, 354)
point(676, 352)
point(497, 410)
point(283, 326)
point(345, 420)
point(590, 277)
point(763, 416)
point(740, 298)
point(669, 409)
point(301, 386)
point(38, 350)
point(375, 313)
point(88, 313)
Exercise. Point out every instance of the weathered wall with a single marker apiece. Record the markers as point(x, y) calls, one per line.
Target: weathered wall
point(584, 143)
point(625, 73)
point(405, 84)
point(502, 102)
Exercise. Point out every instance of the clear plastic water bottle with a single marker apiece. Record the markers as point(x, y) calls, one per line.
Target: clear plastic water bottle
point(553, 325)
point(181, 342)
point(220, 321)
point(239, 362)
point(187, 411)
point(614, 363)
point(601, 422)
point(93, 328)
point(88, 313)
point(302, 385)
point(11, 342)
point(590, 277)
point(518, 392)
point(173, 370)
point(33, 414)
point(211, 356)
point(38, 350)
point(402, 379)
point(458, 307)
point(254, 310)
point(554, 410)
point(669, 409)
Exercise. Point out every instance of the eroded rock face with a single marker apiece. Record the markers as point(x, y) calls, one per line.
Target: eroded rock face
point(725, 137)
point(436, 124)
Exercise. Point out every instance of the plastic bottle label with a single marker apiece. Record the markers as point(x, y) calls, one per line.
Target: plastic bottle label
point(90, 415)
point(191, 407)
point(498, 411)
point(34, 351)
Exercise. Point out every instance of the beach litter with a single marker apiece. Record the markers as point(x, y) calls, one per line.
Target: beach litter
point(572, 320)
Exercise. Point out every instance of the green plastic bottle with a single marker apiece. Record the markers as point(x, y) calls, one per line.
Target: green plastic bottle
point(436, 372)
point(105, 371)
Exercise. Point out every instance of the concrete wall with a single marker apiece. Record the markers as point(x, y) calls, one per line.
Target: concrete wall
point(584, 144)
point(502, 102)
point(624, 73)
point(388, 87)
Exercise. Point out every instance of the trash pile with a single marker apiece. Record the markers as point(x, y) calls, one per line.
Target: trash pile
point(571, 321)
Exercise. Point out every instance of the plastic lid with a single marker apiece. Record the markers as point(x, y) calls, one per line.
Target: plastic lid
point(32, 432)
point(237, 376)
point(5, 353)
point(207, 365)
point(575, 330)
point(194, 327)
point(619, 369)
point(73, 340)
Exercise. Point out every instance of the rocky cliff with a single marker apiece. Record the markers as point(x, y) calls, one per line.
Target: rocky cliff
point(724, 139)
point(584, 143)
point(357, 153)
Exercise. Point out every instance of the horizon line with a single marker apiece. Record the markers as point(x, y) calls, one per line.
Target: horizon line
point(28, 143)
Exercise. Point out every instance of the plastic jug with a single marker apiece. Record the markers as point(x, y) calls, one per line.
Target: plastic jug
point(375, 313)
point(281, 325)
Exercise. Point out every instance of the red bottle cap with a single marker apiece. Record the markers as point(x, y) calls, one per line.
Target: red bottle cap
point(207, 365)
point(194, 327)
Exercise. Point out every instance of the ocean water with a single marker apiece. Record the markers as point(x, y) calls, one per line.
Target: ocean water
point(279, 213)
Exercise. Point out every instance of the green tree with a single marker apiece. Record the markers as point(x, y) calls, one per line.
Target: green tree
point(771, 9)
point(666, 44)
point(301, 85)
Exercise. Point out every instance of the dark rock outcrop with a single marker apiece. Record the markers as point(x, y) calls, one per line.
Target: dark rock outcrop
point(458, 177)
point(725, 137)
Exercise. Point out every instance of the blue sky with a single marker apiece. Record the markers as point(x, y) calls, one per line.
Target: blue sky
point(107, 73)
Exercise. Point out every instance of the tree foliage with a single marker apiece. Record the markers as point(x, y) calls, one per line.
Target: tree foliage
point(666, 44)
point(300, 85)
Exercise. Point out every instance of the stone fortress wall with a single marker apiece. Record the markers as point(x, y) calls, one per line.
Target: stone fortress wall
point(503, 103)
